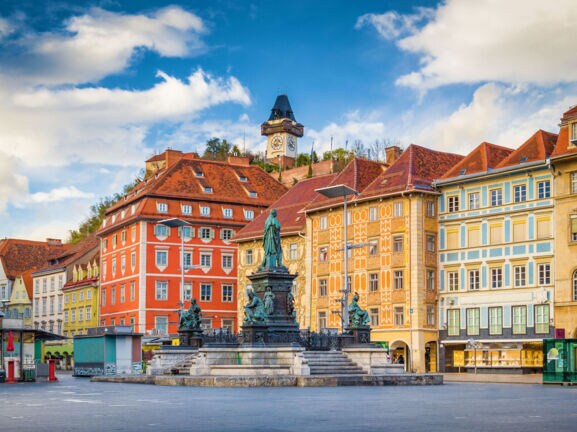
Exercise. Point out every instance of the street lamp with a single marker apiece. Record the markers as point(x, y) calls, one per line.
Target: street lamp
point(474, 344)
point(179, 223)
point(335, 192)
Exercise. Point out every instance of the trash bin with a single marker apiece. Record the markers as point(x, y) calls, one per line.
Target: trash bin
point(29, 375)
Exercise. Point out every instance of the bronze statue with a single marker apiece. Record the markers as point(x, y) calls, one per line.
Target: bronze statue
point(357, 317)
point(271, 242)
point(254, 312)
point(269, 301)
point(290, 306)
point(192, 318)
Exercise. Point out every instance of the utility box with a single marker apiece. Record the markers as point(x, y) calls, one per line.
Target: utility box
point(560, 361)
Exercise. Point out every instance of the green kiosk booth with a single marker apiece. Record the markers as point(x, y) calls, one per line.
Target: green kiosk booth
point(559, 361)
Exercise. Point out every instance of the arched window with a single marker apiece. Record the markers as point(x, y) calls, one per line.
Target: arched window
point(575, 285)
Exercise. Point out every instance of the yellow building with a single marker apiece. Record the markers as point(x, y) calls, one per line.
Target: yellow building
point(296, 254)
point(564, 167)
point(392, 252)
point(81, 299)
point(20, 306)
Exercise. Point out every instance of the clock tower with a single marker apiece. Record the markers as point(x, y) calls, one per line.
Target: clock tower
point(282, 131)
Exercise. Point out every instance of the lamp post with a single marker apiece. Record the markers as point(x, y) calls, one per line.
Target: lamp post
point(335, 192)
point(179, 223)
point(474, 344)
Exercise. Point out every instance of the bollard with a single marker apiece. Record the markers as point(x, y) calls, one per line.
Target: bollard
point(10, 379)
point(52, 370)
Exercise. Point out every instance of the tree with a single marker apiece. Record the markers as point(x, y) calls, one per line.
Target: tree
point(217, 149)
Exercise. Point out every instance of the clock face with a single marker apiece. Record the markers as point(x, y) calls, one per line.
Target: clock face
point(291, 142)
point(276, 142)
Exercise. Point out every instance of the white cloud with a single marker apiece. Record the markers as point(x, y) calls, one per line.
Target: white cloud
point(12, 184)
point(510, 41)
point(391, 25)
point(5, 27)
point(59, 194)
point(99, 43)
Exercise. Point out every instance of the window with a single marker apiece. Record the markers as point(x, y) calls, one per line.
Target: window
point(496, 197)
point(496, 234)
point(89, 294)
point(133, 233)
point(495, 320)
point(187, 260)
point(374, 315)
point(37, 286)
point(161, 290)
point(397, 243)
point(323, 222)
point(44, 284)
point(575, 284)
point(162, 207)
point(123, 237)
point(59, 304)
point(44, 300)
point(322, 287)
point(473, 322)
point(73, 315)
point(430, 209)
point(60, 281)
point(474, 201)
point(65, 316)
point(113, 266)
point(573, 132)
point(431, 315)
point(187, 291)
point(133, 260)
point(519, 319)
point(249, 214)
point(544, 274)
point(132, 290)
point(520, 273)
point(80, 314)
point(473, 237)
point(227, 325)
point(226, 261)
point(207, 189)
point(473, 280)
point(322, 318)
point(114, 241)
point(520, 193)
point(497, 277)
point(372, 214)
point(103, 298)
point(122, 293)
point(52, 283)
point(73, 297)
point(123, 263)
point(227, 213)
point(399, 315)
point(373, 247)
point(199, 173)
point(431, 280)
point(185, 231)
point(36, 307)
point(293, 251)
point(205, 292)
point(453, 203)
point(113, 295)
point(431, 243)
point(543, 228)
point(161, 324)
point(323, 254)
point(204, 211)
point(398, 209)
point(544, 189)
point(52, 305)
point(519, 231)
point(248, 256)
point(373, 282)
point(573, 227)
point(398, 279)
point(81, 296)
point(574, 182)
point(105, 244)
point(206, 234)
point(205, 260)
point(252, 194)
point(161, 230)
point(542, 318)
point(453, 281)
point(161, 258)
point(227, 293)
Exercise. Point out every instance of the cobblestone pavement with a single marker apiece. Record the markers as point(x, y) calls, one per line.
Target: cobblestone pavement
point(75, 404)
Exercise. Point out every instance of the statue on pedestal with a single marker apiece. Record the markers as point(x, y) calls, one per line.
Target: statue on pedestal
point(269, 301)
point(357, 317)
point(271, 243)
point(191, 318)
point(254, 312)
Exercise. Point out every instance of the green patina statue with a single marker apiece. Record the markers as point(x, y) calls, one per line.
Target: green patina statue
point(191, 318)
point(357, 316)
point(254, 311)
point(271, 242)
point(269, 301)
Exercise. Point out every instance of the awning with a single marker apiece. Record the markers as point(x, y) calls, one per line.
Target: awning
point(38, 333)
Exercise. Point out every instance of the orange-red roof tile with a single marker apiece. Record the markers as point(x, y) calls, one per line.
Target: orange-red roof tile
point(288, 209)
point(18, 256)
point(563, 145)
point(484, 157)
point(73, 253)
point(537, 148)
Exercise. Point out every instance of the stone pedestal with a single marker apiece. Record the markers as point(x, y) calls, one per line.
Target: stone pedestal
point(190, 338)
point(255, 334)
point(281, 326)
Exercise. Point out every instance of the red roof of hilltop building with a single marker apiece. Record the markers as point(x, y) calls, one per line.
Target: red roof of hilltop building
point(564, 145)
point(537, 148)
point(484, 157)
point(71, 254)
point(288, 208)
point(416, 169)
point(18, 256)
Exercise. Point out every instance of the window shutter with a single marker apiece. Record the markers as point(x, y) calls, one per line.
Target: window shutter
point(192, 232)
point(573, 224)
point(222, 234)
point(212, 233)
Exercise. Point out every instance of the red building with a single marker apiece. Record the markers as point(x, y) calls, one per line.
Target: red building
point(141, 270)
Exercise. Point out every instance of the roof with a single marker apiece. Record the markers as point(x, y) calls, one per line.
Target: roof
point(415, 169)
point(484, 157)
point(537, 148)
point(288, 209)
point(73, 254)
point(357, 174)
point(282, 109)
point(563, 145)
point(18, 256)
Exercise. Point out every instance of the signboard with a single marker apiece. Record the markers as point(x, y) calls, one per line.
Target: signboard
point(560, 333)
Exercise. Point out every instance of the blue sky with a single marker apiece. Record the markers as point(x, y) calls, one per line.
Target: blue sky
point(89, 90)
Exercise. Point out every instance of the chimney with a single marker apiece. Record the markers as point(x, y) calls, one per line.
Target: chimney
point(392, 153)
point(238, 160)
point(53, 242)
point(172, 156)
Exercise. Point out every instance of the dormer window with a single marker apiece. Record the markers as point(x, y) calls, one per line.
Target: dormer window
point(523, 159)
point(162, 207)
point(249, 214)
point(199, 173)
point(113, 218)
point(204, 211)
point(227, 213)
point(252, 194)
point(242, 178)
point(132, 209)
point(187, 209)
point(463, 171)
point(207, 189)
point(122, 214)
point(574, 133)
